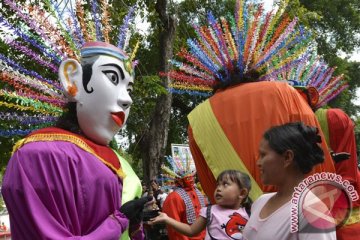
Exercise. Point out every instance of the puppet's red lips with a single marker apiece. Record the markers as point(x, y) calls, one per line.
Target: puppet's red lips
point(119, 118)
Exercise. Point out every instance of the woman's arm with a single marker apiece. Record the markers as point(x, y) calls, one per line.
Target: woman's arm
point(183, 228)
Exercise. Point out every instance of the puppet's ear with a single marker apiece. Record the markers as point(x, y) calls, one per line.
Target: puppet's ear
point(70, 73)
point(313, 96)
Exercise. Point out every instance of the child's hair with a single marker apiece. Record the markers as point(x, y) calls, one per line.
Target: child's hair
point(242, 180)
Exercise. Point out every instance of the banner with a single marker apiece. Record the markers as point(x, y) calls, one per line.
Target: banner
point(182, 155)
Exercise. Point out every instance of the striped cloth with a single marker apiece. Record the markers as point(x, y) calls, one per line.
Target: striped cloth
point(190, 211)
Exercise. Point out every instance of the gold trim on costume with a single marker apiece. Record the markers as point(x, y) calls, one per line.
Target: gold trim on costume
point(45, 137)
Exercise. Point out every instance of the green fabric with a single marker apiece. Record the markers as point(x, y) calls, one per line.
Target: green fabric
point(131, 187)
point(322, 118)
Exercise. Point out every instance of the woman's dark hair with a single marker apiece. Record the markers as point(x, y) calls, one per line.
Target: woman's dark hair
point(301, 139)
point(242, 180)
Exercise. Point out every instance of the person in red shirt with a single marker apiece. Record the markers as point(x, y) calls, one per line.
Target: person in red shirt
point(184, 204)
point(185, 201)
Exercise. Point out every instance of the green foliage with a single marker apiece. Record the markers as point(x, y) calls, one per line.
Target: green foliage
point(335, 25)
point(357, 136)
point(135, 163)
point(146, 91)
point(6, 146)
point(148, 86)
point(351, 71)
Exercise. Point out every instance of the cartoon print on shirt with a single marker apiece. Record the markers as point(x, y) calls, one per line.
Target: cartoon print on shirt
point(235, 226)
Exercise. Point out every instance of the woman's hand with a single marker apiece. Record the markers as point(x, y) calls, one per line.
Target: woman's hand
point(161, 218)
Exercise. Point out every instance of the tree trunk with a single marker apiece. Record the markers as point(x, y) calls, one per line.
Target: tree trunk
point(154, 142)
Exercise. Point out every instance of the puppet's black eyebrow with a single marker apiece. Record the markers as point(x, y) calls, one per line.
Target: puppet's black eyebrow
point(118, 67)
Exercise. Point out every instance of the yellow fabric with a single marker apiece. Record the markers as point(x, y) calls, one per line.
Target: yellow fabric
point(354, 216)
point(131, 187)
point(131, 183)
point(322, 118)
point(66, 138)
point(17, 145)
point(204, 134)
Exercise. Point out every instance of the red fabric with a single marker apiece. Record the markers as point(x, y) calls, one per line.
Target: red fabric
point(206, 178)
point(103, 151)
point(342, 139)
point(175, 208)
point(245, 112)
point(350, 232)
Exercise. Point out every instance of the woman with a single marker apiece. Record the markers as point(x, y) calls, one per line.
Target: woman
point(287, 153)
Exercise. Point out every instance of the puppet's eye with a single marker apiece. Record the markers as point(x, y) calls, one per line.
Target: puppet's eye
point(112, 76)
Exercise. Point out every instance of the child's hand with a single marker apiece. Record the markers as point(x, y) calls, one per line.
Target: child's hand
point(161, 218)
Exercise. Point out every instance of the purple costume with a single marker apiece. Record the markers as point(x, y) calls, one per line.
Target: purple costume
point(80, 200)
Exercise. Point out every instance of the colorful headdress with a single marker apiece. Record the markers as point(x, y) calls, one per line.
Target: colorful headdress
point(233, 48)
point(313, 76)
point(178, 169)
point(31, 97)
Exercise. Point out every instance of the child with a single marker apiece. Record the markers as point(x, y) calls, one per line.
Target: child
point(224, 220)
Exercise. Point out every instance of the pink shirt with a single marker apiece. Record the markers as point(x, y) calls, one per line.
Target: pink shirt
point(277, 225)
point(225, 223)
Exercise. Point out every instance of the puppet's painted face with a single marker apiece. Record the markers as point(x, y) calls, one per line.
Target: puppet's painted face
point(104, 104)
point(186, 182)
